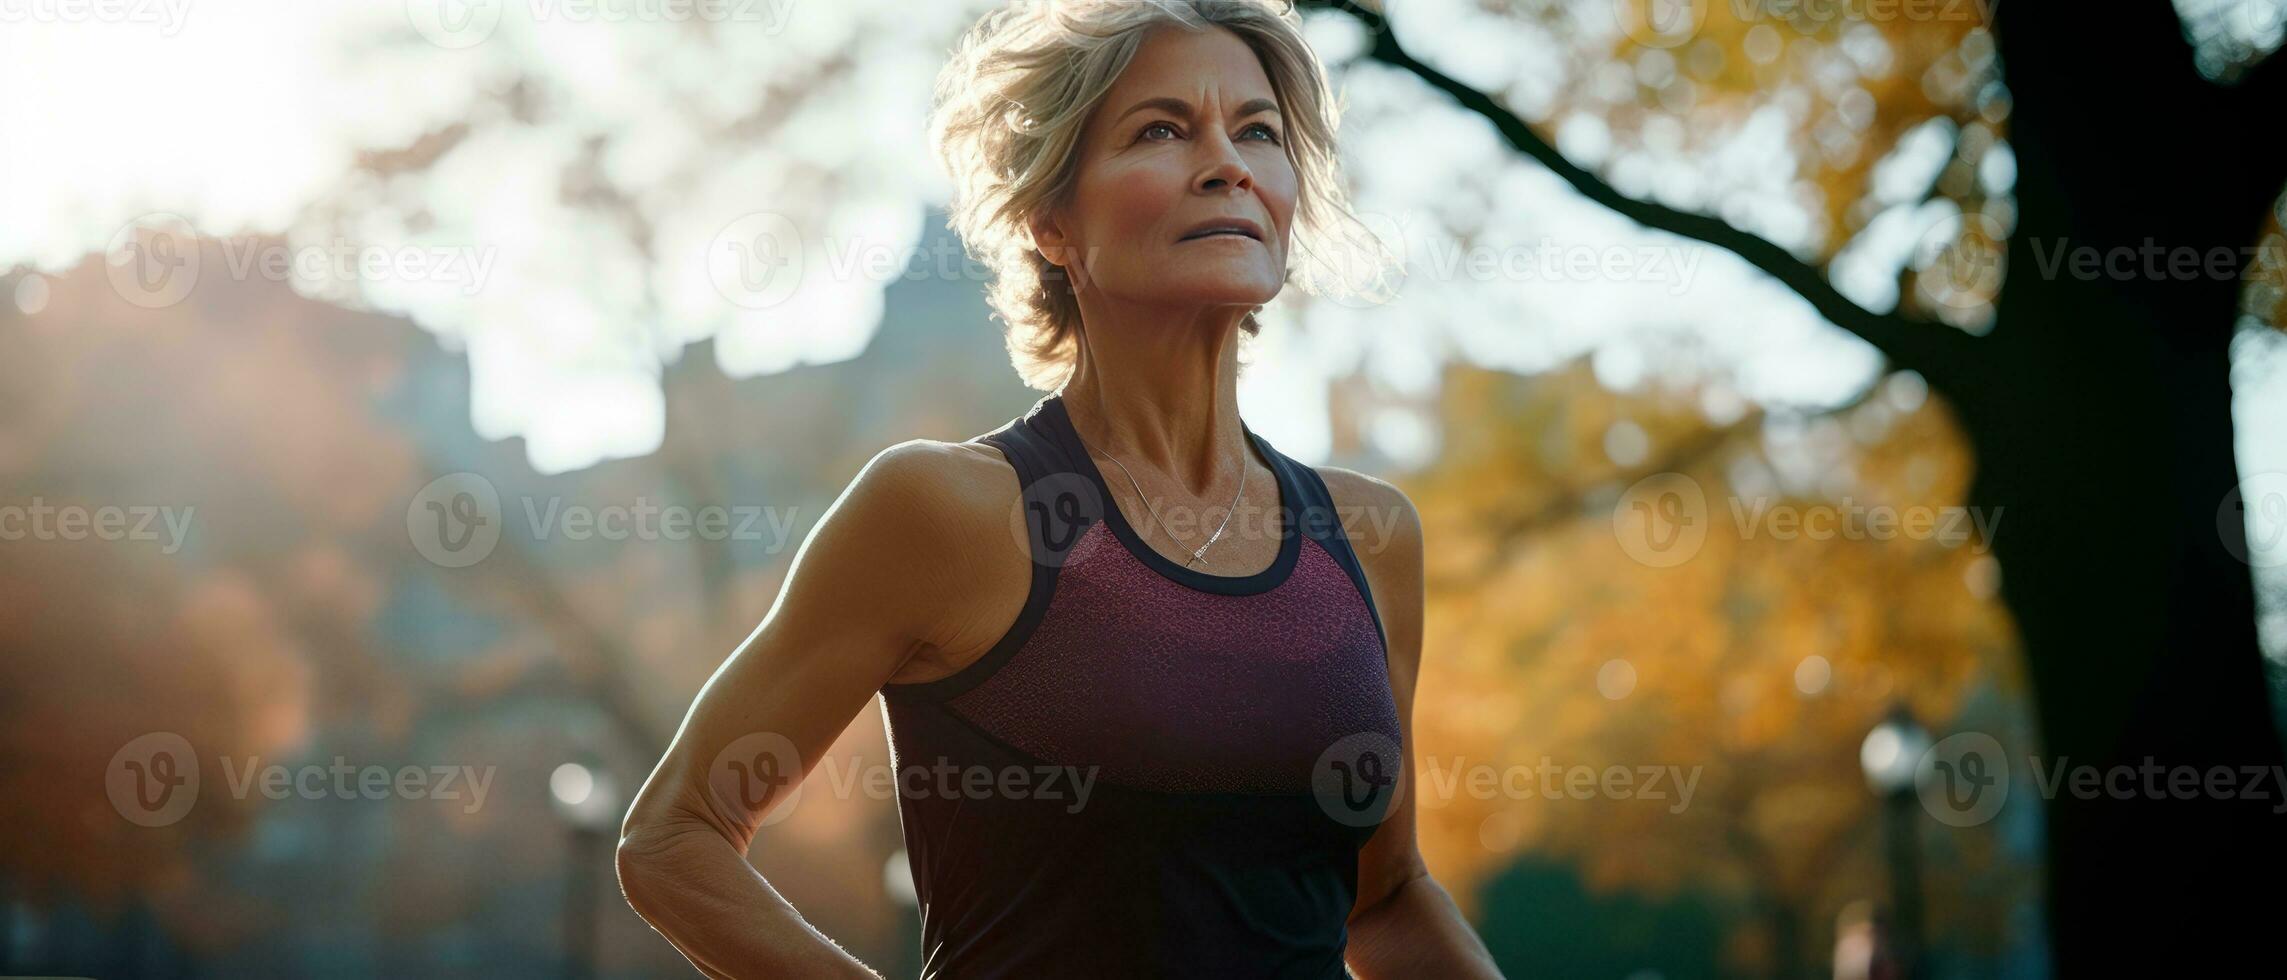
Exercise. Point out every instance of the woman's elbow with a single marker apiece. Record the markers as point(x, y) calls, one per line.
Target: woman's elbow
point(636, 861)
point(647, 852)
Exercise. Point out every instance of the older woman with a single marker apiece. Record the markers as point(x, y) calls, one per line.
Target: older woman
point(1144, 724)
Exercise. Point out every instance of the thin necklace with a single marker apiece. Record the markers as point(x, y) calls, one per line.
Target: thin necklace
point(1196, 555)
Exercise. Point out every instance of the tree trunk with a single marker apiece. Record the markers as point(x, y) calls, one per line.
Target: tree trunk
point(2100, 411)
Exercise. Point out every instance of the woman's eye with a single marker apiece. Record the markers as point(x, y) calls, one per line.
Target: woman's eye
point(1170, 127)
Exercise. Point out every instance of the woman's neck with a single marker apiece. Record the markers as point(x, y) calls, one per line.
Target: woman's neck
point(1163, 399)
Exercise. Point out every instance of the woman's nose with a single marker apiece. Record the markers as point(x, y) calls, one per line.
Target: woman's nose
point(1228, 168)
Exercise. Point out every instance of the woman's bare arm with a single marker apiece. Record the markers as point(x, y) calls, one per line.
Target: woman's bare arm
point(892, 568)
point(1404, 923)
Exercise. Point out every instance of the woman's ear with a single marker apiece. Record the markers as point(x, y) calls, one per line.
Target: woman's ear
point(1048, 239)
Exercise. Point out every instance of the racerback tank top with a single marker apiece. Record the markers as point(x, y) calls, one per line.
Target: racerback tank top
point(1157, 771)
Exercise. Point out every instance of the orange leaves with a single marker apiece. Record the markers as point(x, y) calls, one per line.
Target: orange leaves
point(1757, 662)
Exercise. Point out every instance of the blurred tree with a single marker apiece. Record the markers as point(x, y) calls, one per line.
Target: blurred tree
point(297, 620)
point(1746, 673)
point(2138, 616)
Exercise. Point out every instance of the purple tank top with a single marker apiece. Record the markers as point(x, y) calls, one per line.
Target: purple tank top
point(1156, 771)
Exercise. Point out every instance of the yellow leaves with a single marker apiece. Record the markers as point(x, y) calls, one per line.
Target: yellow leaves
point(1846, 81)
point(1759, 663)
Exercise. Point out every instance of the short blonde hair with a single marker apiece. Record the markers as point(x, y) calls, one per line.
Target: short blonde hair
point(1009, 110)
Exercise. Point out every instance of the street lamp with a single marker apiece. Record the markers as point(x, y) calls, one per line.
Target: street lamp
point(1891, 756)
point(589, 804)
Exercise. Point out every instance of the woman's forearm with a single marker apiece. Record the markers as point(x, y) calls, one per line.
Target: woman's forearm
point(697, 890)
point(1417, 932)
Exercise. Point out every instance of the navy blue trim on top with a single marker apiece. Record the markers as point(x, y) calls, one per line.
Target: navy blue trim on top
point(1051, 409)
point(1018, 443)
point(1336, 541)
point(1041, 444)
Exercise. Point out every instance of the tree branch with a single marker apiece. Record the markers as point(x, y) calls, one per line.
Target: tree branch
point(1935, 350)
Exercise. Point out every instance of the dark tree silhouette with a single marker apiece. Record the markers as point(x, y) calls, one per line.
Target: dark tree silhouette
point(2100, 413)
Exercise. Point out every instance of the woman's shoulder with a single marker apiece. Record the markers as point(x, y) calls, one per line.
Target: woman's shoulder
point(1372, 510)
point(941, 517)
point(952, 485)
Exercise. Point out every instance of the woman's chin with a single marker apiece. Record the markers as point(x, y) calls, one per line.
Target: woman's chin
point(1226, 302)
point(1223, 292)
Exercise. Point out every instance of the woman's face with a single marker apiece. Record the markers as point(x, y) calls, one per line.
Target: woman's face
point(1189, 134)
